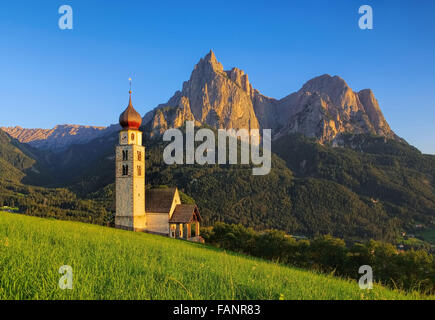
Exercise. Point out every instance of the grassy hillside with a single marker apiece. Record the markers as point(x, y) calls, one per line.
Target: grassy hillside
point(20, 162)
point(13, 161)
point(114, 264)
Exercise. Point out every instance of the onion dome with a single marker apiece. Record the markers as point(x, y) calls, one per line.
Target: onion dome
point(130, 118)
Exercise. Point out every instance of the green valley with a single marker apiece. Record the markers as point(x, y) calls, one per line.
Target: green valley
point(376, 192)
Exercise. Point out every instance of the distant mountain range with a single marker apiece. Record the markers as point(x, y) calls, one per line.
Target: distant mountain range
point(57, 138)
point(337, 167)
point(324, 108)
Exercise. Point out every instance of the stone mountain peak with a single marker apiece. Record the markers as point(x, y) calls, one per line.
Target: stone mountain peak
point(324, 108)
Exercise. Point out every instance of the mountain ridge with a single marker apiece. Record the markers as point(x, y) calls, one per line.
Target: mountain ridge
point(57, 138)
point(324, 108)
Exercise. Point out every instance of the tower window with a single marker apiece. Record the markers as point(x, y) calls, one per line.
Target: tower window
point(139, 170)
point(139, 156)
point(132, 136)
point(124, 155)
point(125, 170)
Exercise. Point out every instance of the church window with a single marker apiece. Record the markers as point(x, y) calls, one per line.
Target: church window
point(125, 170)
point(132, 136)
point(124, 155)
point(139, 156)
point(139, 170)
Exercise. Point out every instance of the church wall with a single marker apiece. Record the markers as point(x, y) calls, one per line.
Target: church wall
point(175, 201)
point(158, 222)
point(138, 188)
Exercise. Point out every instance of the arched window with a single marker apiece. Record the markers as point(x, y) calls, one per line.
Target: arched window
point(139, 170)
point(132, 136)
point(124, 155)
point(139, 156)
point(125, 170)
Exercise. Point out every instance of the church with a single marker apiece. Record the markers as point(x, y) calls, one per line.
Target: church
point(157, 210)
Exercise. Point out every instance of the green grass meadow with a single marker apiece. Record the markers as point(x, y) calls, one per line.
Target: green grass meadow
point(115, 264)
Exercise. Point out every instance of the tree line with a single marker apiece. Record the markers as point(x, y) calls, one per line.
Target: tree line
point(412, 270)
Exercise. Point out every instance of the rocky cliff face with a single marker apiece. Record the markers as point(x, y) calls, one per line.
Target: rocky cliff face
point(212, 96)
point(57, 138)
point(323, 108)
point(326, 106)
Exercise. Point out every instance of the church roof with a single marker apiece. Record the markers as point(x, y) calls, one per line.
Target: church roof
point(159, 200)
point(185, 213)
point(130, 118)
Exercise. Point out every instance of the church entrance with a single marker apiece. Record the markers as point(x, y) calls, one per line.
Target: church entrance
point(185, 217)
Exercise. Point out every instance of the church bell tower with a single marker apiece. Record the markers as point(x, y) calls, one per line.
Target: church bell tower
point(130, 173)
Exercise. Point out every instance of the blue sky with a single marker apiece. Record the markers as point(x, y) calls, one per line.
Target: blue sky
point(50, 76)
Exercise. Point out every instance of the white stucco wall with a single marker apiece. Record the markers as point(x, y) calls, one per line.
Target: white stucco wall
point(158, 222)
